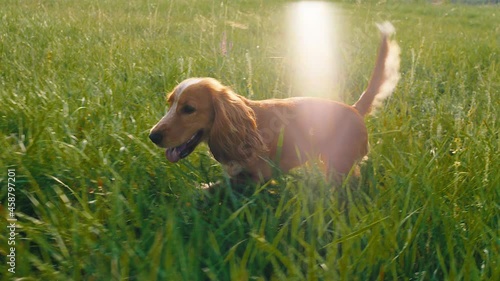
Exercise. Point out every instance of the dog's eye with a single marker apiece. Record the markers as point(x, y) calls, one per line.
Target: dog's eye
point(187, 109)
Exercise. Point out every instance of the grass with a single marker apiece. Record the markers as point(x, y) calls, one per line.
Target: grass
point(83, 81)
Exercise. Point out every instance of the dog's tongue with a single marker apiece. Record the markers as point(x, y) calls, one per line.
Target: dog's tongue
point(173, 154)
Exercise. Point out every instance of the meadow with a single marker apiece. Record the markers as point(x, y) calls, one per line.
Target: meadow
point(82, 82)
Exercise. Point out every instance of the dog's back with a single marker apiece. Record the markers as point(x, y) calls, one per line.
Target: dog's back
point(297, 129)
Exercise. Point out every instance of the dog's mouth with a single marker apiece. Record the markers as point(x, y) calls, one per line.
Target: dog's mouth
point(175, 154)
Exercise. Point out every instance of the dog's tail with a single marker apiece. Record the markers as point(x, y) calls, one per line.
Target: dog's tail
point(385, 75)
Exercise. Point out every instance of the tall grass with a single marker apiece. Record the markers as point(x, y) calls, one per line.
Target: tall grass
point(83, 81)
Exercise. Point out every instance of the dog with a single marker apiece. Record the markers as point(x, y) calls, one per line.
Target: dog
point(250, 138)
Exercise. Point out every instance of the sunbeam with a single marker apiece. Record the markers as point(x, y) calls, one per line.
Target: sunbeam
point(313, 36)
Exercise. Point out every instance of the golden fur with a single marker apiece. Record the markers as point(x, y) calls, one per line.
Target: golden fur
point(250, 137)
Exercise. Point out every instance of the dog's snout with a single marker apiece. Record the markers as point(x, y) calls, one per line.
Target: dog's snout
point(156, 137)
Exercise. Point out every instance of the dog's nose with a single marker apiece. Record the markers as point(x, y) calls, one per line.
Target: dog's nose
point(156, 137)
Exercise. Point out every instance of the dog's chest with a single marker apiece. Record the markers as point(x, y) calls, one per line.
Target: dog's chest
point(232, 168)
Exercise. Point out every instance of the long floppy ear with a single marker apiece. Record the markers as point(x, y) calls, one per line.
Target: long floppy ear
point(234, 135)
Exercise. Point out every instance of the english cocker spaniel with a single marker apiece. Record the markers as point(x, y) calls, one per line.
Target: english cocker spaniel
point(251, 137)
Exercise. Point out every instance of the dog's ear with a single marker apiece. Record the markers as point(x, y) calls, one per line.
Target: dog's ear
point(234, 135)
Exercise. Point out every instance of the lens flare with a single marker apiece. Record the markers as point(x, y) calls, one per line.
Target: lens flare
point(313, 36)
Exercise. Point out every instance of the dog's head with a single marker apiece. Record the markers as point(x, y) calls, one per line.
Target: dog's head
point(202, 109)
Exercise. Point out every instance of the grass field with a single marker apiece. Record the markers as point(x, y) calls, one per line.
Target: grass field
point(82, 82)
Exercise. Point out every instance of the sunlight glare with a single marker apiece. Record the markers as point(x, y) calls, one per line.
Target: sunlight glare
point(313, 36)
